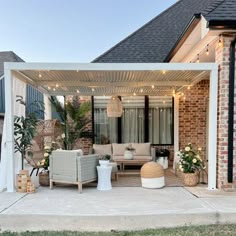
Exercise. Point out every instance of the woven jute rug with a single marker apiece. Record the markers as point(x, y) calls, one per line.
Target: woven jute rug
point(171, 180)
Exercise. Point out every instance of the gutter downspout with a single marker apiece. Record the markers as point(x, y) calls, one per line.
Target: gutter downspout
point(231, 110)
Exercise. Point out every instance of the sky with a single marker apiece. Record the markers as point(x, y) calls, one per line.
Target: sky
point(71, 30)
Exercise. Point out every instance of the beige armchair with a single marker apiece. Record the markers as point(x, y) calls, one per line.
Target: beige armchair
point(70, 167)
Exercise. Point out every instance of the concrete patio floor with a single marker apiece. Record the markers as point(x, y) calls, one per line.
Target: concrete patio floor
point(126, 208)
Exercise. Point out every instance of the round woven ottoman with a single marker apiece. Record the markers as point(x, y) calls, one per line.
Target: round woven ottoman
point(152, 175)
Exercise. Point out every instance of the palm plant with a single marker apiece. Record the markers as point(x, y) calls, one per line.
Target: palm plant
point(75, 119)
point(25, 127)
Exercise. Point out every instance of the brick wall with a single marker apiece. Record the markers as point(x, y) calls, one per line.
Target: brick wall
point(222, 58)
point(193, 116)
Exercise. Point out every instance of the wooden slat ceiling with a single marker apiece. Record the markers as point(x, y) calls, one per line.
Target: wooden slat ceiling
point(124, 83)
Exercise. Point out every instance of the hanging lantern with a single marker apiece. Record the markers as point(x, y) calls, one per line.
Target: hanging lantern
point(114, 107)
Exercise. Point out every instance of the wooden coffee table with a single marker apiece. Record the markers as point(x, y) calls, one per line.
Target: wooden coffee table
point(125, 162)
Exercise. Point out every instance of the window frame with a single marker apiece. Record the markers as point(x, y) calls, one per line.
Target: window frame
point(146, 123)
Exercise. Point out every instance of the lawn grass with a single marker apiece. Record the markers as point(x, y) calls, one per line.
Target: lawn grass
point(210, 230)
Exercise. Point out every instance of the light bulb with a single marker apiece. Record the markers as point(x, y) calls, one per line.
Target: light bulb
point(153, 86)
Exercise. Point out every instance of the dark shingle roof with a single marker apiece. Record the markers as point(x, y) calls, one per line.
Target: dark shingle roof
point(221, 10)
point(8, 56)
point(153, 41)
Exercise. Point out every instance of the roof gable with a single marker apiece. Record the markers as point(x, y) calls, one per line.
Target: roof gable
point(221, 10)
point(8, 56)
point(153, 41)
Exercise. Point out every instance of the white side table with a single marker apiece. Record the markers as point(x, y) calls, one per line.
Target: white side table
point(104, 177)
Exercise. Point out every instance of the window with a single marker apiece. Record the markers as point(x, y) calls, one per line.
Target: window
point(160, 120)
point(105, 128)
point(134, 120)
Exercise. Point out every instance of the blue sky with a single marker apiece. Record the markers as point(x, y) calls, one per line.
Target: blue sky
point(71, 30)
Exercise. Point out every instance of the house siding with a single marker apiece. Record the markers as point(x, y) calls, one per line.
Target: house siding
point(2, 96)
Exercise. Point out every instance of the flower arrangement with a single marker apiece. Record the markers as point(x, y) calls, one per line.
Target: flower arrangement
point(190, 160)
point(130, 148)
point(47, 152)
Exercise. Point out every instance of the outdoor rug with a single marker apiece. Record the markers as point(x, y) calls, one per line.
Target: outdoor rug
point(171, 180)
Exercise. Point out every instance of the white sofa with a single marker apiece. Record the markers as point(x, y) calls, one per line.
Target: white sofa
point(143, 151)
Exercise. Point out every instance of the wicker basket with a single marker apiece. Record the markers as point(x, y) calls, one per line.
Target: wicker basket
point(190, 179)
point(44, 178)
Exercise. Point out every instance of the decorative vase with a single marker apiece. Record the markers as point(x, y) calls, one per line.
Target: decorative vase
point(128, 155)
point(44, 178)
point(190, 179)
point(104, 162)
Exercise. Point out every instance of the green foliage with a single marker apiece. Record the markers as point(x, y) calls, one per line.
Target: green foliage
point(106, 157)
point(190, 160)
point(74, 117)
point(25, 128)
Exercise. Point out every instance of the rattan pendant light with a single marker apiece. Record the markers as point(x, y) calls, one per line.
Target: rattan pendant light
point(114, 107)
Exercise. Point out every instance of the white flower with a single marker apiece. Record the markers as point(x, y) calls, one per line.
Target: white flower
point(194, 160)
point(180, 167)
point(46, 154)
point(178, 153)
point(63, 135)
point(186, 155)
point(187, 149)
point(199, 149)
point(47, 148)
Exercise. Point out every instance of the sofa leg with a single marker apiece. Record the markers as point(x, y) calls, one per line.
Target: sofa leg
point(51, 184)
point(80, 187)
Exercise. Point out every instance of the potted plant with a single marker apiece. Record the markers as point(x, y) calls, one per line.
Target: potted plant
point(25, 128)
point(104, 161)
point(190, 164)
point(44, 174)
point(129, 152)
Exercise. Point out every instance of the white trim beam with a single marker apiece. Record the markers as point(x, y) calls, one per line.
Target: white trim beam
point(212, 134)
point(10, 130)
point(109, 66)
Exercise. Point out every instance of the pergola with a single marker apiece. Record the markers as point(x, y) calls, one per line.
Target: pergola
point(124, 79)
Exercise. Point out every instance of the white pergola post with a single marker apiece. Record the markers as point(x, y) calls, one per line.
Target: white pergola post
point(48, 107)
point(9, 119)
point(212, 134)
point(176, 128)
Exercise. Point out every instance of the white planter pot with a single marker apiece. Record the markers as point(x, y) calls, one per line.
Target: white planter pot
point(104, 162)
point(163, 161)
point(128, 155)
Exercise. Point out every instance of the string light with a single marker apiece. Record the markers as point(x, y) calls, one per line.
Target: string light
point(141, 90)
point(153, 86)
point(40, 75)
point(134, 94)
point(49, 88)
point(189, 87)
point(198, 59)
point(77, 91)
point(163, 72)
point(220, 41)
point(54, 89)
point(57, 85)
point(207, 50)
point(93, 89)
